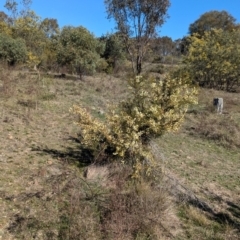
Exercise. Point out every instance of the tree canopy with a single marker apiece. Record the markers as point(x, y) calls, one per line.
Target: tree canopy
point(213, 19)
point(114, 49)
point(4, 24)
point(50, 27)
point(137, 20)
point(12, 51)
point(214, 59)
point(18, 8)
point(78, 49)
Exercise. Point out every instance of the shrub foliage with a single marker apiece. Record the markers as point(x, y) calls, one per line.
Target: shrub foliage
point(152, 108)
point(12, 50)
point(214, 59)
point(78, 49)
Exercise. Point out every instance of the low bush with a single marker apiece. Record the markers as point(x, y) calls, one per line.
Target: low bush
point(135, 211)
point(153, 108)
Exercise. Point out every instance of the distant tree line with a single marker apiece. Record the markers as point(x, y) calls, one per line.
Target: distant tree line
point(210, 52)
point(33, 41)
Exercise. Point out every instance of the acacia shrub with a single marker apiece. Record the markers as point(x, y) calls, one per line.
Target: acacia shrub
point(213, 60)
point(152, 108)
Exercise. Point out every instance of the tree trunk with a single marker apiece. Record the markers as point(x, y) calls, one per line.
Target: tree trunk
point(79, 72)
point(139, 65)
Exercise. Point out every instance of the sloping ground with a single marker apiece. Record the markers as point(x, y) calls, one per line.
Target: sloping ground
point(204, 160)
point(37, 147)
point(208, 180)
point(43, 195)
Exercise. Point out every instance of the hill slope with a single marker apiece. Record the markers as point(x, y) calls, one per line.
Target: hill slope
point(43, 191)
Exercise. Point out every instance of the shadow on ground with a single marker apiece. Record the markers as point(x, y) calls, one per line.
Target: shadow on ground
point(77, 155)
point(230, 215)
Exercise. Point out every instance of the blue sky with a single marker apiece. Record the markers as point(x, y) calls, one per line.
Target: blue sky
point(91, 14)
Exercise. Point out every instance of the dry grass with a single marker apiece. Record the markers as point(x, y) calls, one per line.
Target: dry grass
point(222, 129)
point(43, 192)
point(136, 210)
point(63, 208)
point(204, 122)
point(204, 158)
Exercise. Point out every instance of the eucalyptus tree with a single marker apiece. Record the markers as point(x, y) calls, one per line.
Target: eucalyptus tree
point(213, 19)
point(28, 28)
point(162, 47)
point(137, 21)
point(5, 24)
point(114, 51)
point(50, 27)
point(18, 8)
point(3, 16)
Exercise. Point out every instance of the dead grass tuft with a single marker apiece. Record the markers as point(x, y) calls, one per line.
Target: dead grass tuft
point(136, 211)
point(203, 121)
point(7, 83)
point(222, 129)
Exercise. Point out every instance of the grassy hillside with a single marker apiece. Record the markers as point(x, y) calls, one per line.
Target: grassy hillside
point(49, 191)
